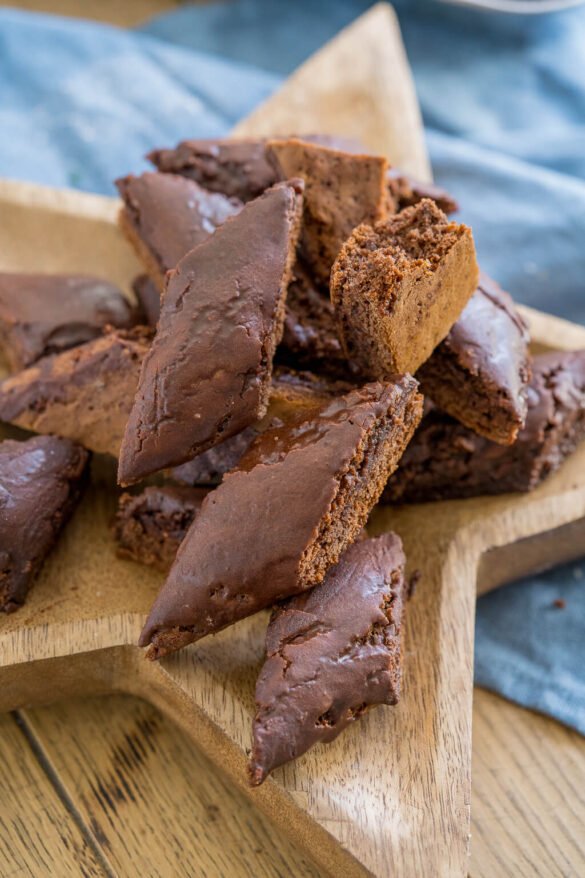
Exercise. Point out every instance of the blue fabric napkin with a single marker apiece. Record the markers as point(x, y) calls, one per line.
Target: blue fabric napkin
point(503, 100)
point(81, 103)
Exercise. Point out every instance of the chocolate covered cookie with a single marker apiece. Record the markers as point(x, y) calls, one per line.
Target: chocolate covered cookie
point(84, 394)
point(149, 527)
point(399, 286)
point(207, 375)
point(42, 314)
point(342, 190)
point(479, 374)
point(296, 501)
point(331, 654)
point(41, 481)
point(165, 215)
point(447, 461)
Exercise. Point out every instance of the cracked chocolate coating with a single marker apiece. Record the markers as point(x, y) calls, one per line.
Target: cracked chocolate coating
point(447, 461)
point(166, 215)
point(42, 314)
point(331, 653)
point(275, 523)
point(207, 374)
point(150, 527)
point(479, 374)
point(40, 483)
point(84, 394)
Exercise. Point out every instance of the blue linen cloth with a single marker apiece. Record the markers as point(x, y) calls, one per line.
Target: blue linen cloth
point(503, 100)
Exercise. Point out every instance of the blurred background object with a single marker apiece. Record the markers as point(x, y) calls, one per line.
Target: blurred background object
point(518, 7)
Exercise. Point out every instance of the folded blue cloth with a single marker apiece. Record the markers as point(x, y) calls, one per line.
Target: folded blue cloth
point(81, 103)
point(503, 100)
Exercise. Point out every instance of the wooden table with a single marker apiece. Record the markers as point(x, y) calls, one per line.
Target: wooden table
point(110, 787)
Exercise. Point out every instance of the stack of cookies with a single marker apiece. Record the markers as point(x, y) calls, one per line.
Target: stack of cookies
point(299, 298)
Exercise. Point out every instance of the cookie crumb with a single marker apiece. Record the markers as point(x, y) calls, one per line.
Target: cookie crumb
point(560, 603)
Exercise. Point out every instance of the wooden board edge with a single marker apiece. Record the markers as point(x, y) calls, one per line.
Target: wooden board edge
point(549, 331)
point(49, 198)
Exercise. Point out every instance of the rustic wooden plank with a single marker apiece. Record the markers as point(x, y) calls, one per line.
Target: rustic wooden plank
point(38, 837)
point(528, 793)
point(153, 801)
point(528, 800)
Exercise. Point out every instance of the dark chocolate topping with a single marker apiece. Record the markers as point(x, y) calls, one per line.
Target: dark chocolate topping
point(207, 374)
point(42, 314)
point(479, 374)
point(299, 496)
point(331, 653)
point(446, 460)
point(237, 168)
point(172, 214)
point(84, 394)
point(151, 526)
point(40, 484)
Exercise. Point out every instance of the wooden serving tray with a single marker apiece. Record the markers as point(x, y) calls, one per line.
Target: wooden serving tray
point(391, 795)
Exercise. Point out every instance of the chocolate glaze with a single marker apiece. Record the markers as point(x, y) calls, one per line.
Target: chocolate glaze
point(290, 392)
point(331, 653)
point(207, 375)
point(40, 483)
point(298, 498)
point(150, 526)
point(209, 467)
point(237, 168)
point(446, 460)
point(166, 215)
point(84, 393)
point(43, 314)
point(479, 374)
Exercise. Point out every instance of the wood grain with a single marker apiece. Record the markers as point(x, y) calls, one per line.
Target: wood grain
point(38, 837)
point(359, 85)
point(528, 800)
point(152, 800)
